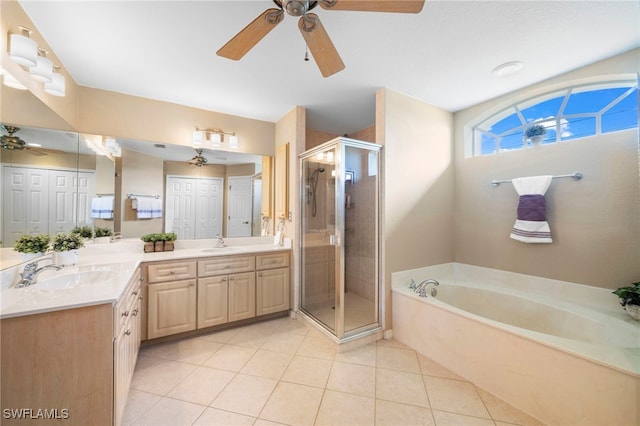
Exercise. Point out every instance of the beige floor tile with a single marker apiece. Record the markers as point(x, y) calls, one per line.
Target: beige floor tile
point(392, 343)
point(267, 364)
point(162, 377)
point(245, 395)
point(339, 408)
point(397, 359)
point(353, 378)
point(402, 387)
point(394, 414)
point(202, 386)
point(288, 342)
point(170, 412)
point(192, 351)
point(215, 417)
point(288, 325)
point(318, 347)
point(137, 403)
point(262, 422)
point(455, 396)
point(251, 337)
point(432, 368)
point(222, 336)
point(451, 419)
point(292, 404)
point(230, 357)
point(308, 371)
point(505, 412)
point(145, 361)
point(363, 355)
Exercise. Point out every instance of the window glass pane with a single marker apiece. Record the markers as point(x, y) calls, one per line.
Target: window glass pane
point(512, 141)
point(543, 110)
point(578, 127)
point(592, 101)
point(509, 122)
point(488, 144)
point(623, 115)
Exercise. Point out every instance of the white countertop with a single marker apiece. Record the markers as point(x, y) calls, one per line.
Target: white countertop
point(120, 260)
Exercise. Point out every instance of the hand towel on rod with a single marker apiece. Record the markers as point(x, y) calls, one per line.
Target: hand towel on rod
point(531, 224)
point(156, 208)
point(144, 207)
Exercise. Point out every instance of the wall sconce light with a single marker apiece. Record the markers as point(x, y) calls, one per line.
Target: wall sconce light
point(214, 136)
point(22, 49)
point(56, 86)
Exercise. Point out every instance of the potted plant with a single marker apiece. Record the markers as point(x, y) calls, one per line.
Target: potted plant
point(84, 231)
point(103, 234)
point(66, 247)
point(168, 238)
point(149, 242)
point(535, 133)
point(32, 246)
point(630, 299)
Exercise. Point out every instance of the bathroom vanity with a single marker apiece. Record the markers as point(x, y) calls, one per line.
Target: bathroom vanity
point(70, 342)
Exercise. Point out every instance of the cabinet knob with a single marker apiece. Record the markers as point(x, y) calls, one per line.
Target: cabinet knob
point(135, 312)
point(125, 314)
point(128, 332)
point(172, 272)
point(191, 284)
point(260, 274)
point(224, 279)
point(273, 261)
point(135, 293)
point(232, 278)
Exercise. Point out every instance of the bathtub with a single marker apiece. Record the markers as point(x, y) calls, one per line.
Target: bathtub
point(562, 352)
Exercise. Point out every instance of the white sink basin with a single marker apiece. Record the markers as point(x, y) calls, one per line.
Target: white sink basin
point(219, 249)
point(74, 279)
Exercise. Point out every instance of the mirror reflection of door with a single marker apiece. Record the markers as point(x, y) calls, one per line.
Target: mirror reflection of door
point(240, 207)
point(194, 207)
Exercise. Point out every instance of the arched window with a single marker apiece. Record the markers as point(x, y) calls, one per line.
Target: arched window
point(568, 114)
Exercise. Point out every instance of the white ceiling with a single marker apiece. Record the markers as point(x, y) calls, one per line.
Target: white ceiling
point(165, 50)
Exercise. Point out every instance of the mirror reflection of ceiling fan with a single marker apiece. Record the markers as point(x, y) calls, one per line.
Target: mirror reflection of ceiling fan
point(313, 32)
point(199, 160)
point(12, 142)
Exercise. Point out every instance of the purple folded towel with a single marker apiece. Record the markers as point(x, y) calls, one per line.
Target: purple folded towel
point(532, 207)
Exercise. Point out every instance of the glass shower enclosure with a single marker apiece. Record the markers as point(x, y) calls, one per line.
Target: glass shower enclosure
point(340, 236)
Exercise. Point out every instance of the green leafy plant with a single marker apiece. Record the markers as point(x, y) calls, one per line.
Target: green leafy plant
point(168, 236)
point(629, 295)
point(535, 130)
point(150, 238)
point(83, 231)
point(66, 242)
point(103, 232)
point(32, 243)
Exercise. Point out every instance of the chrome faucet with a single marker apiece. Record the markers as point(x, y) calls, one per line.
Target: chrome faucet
point(421, 289)
point(220, 243)
point(30, 273)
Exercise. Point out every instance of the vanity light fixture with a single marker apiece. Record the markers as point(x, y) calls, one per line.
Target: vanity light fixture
point(43, 70)
point(215, 137)
point(22, 49)
point(57, 85)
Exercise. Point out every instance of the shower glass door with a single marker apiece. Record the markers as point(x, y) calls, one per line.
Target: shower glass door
point(340, 261)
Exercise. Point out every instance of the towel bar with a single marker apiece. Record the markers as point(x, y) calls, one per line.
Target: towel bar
point(575, 176)
point(139, 195)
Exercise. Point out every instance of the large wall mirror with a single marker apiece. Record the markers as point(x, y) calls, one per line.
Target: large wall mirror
point(55, 180)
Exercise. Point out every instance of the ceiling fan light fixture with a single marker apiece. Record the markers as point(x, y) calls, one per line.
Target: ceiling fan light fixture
point(22, 49)
point(43, 70)
point(57, 85)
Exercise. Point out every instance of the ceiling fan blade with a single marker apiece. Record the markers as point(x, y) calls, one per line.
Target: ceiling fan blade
point(393, 6)
point(244, 41)
point(320, 45)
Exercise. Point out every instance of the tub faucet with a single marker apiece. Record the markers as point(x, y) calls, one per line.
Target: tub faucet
point(30, 273)
point(421, 289)
point(220, 243)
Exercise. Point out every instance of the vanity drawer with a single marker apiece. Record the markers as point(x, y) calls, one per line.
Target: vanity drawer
point(126, 306)
point(272, 260)
point(226, 265)
point(162, 272)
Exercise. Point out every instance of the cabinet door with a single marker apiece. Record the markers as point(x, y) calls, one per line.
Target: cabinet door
point(281, 182)
point(125, 351)
point(172, 308)
point(242, 296)
point(212, 301)
point(272, 291)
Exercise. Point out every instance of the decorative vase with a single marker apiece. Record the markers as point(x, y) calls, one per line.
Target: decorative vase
point(159, 246)
point(67, 258)
point(25, 257)
point(149, 247)
point(633, 311)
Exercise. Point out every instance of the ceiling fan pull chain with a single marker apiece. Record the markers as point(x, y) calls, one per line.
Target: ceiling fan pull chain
point(306, 52)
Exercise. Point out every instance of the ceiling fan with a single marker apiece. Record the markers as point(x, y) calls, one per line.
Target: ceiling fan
point(316, 37)
point(13, 143)
point(198, 160)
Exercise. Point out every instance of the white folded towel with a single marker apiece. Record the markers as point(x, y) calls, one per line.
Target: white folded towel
point(102, 207)
point(144, 207)
point(531, 225)
point(156, 207)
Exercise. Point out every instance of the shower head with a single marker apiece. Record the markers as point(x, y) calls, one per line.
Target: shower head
point(321, 169)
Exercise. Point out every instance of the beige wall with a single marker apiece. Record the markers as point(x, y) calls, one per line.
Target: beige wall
point(595, 222)
point(418, 180)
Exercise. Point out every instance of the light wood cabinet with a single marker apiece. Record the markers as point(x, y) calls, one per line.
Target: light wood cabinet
point(272, 291)
point(281, 182)
point(173, 271)
point(171, 308)
point(266, 198)
point(212, 301)
point(242, 296)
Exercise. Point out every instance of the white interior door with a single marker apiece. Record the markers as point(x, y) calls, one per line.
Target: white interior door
point(85, 189)
point(62, 201)
point(239, 210)
point(26, 191)
point(194, 207)
point(209, 207)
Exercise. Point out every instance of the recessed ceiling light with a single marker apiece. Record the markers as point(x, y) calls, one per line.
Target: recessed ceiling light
point(508, 68)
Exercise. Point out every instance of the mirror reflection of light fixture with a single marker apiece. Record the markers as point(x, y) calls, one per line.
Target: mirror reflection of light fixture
point(43, 70)
point(10, 81)
point(22, 49)
point(214, 136)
